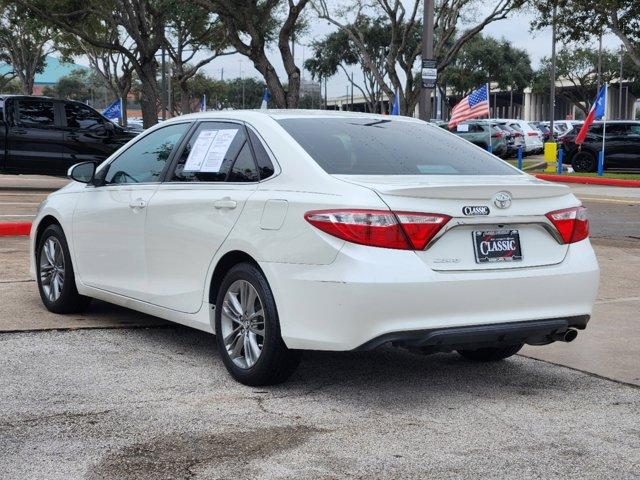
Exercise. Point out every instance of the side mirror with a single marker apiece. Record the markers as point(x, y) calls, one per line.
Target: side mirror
point(82, 172)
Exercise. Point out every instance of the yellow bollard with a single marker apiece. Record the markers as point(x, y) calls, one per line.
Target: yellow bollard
point(551, 156)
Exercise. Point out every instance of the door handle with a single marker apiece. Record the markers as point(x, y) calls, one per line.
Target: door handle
point(137, 204)
point(225, 202)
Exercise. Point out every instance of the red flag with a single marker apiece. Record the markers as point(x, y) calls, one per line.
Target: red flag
point(596, 113)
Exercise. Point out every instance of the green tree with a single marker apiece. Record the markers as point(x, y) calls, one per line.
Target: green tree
point(336, 51)
point(75, 86)
point(456, 22)
point(24, 44)
point(134, 28)
point(253, 27)
point(577, 69)
point(584, 20)
point(193, 30)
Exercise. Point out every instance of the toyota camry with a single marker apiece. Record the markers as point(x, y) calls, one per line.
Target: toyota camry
point(284, 231)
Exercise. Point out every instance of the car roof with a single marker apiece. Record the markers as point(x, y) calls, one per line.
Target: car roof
point(287, 114)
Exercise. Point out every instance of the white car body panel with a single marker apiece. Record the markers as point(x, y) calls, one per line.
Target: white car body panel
point(330, 294)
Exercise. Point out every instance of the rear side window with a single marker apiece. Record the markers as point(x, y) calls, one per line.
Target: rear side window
point(80, 116)
point(36, 113)
point(210, 152)
point(371, 146)
point(265, 167)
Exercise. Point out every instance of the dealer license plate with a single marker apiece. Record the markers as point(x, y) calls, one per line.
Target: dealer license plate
point(497, 246)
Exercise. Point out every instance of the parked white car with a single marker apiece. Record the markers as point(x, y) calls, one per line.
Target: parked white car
point(533, 138)
point(284, 231)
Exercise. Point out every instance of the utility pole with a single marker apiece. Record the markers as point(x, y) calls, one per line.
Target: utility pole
point(164, 85)
point(620, 83)
point(427, 54)
point(600, 62)
point(552, 102)
point(325, 93)
point(352, 109)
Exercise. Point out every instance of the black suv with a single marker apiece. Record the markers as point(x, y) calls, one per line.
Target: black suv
point(622, 146)
point(46, 136)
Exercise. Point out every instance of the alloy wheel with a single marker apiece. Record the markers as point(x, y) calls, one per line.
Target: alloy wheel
point(52, 268)
point(242, 324)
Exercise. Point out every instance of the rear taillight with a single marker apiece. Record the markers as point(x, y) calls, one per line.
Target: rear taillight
point(379, 228)
point(571, 223)
point(532, 134)
point(497, 135)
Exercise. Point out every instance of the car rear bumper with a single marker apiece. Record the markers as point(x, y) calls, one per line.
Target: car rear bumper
point(367, 293)
point(480, 336)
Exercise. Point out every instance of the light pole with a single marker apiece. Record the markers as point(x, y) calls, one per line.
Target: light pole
point(242, 82)
point(620, 83)
point(427, 54)
point(600, 62)
point(552, 101)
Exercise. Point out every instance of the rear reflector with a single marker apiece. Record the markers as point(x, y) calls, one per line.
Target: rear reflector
point(379, 228)
point(571, 223)
point(532, 134)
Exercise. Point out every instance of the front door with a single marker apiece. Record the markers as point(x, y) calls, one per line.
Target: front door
point(34, 138)
point(109, 220)
point(192, 213)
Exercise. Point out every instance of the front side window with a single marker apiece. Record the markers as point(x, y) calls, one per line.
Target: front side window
point(36, 113)
point(634, 129)
point(145, 160)
point(210, 153)
point(81, 116)
point(372, 146)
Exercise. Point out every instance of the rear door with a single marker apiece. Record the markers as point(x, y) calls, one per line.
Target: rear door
point(88, 136)
point(615, 144)
point(632, 146)
point(35, 138)
point(194, 210)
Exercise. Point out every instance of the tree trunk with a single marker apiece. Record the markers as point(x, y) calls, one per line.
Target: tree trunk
point(147, 73)
point(185, 104)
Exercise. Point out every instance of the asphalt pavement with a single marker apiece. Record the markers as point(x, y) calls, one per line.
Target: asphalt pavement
point(113, 394)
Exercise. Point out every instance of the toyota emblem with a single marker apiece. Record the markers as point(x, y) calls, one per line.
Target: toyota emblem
point(502, 199)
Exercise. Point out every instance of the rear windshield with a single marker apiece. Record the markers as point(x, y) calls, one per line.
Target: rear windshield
point(350, 146)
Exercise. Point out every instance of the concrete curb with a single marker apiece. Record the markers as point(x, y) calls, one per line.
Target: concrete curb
point(611, 182)
point(11, 229)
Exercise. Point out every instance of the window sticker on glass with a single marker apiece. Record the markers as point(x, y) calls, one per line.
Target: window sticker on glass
point(199, 151)
point(218, 150)
point(462, 127)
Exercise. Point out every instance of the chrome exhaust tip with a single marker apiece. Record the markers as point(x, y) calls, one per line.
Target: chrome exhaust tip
point(568, 335)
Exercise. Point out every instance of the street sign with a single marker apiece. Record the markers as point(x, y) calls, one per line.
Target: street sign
point(429, 73)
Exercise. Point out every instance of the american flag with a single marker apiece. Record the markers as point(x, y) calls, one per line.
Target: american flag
point(475, 105)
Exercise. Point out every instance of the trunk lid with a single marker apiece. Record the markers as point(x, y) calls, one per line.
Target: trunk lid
point(454, 248)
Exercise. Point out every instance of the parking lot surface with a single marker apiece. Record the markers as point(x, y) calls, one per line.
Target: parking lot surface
point(116, 394)
point(157, 403)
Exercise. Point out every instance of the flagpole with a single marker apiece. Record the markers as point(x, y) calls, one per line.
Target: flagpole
point(121, 113)
point(490, 147)
point(604, 131)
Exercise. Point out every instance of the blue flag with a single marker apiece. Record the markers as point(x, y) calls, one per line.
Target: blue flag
point(113, 111)
point(202, 106)
point(265, 100)
point(601, 103)
point(396, 105)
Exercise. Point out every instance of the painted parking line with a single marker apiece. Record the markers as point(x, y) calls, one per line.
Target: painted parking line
point(16, 216)
point(630, 201)
point(19, 203)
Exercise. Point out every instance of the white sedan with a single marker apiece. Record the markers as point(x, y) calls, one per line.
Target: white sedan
point(283, 231)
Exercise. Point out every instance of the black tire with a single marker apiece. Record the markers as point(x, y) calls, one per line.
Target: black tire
point(276, 362)
point(491, 354)
point(584, 161)
point(69, 300)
